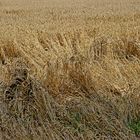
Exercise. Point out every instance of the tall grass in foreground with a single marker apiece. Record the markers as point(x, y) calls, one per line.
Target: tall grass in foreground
point(69, 86)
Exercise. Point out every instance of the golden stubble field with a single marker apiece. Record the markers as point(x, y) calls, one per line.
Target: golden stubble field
point(69, 70)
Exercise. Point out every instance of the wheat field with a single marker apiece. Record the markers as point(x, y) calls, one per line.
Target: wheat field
point(69, 70)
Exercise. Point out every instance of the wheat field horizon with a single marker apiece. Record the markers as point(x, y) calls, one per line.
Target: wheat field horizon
point(69, 70)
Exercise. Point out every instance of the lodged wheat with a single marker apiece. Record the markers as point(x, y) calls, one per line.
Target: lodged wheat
point(69, 70)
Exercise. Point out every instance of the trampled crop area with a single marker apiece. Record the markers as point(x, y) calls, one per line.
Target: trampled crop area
point(69, 70)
